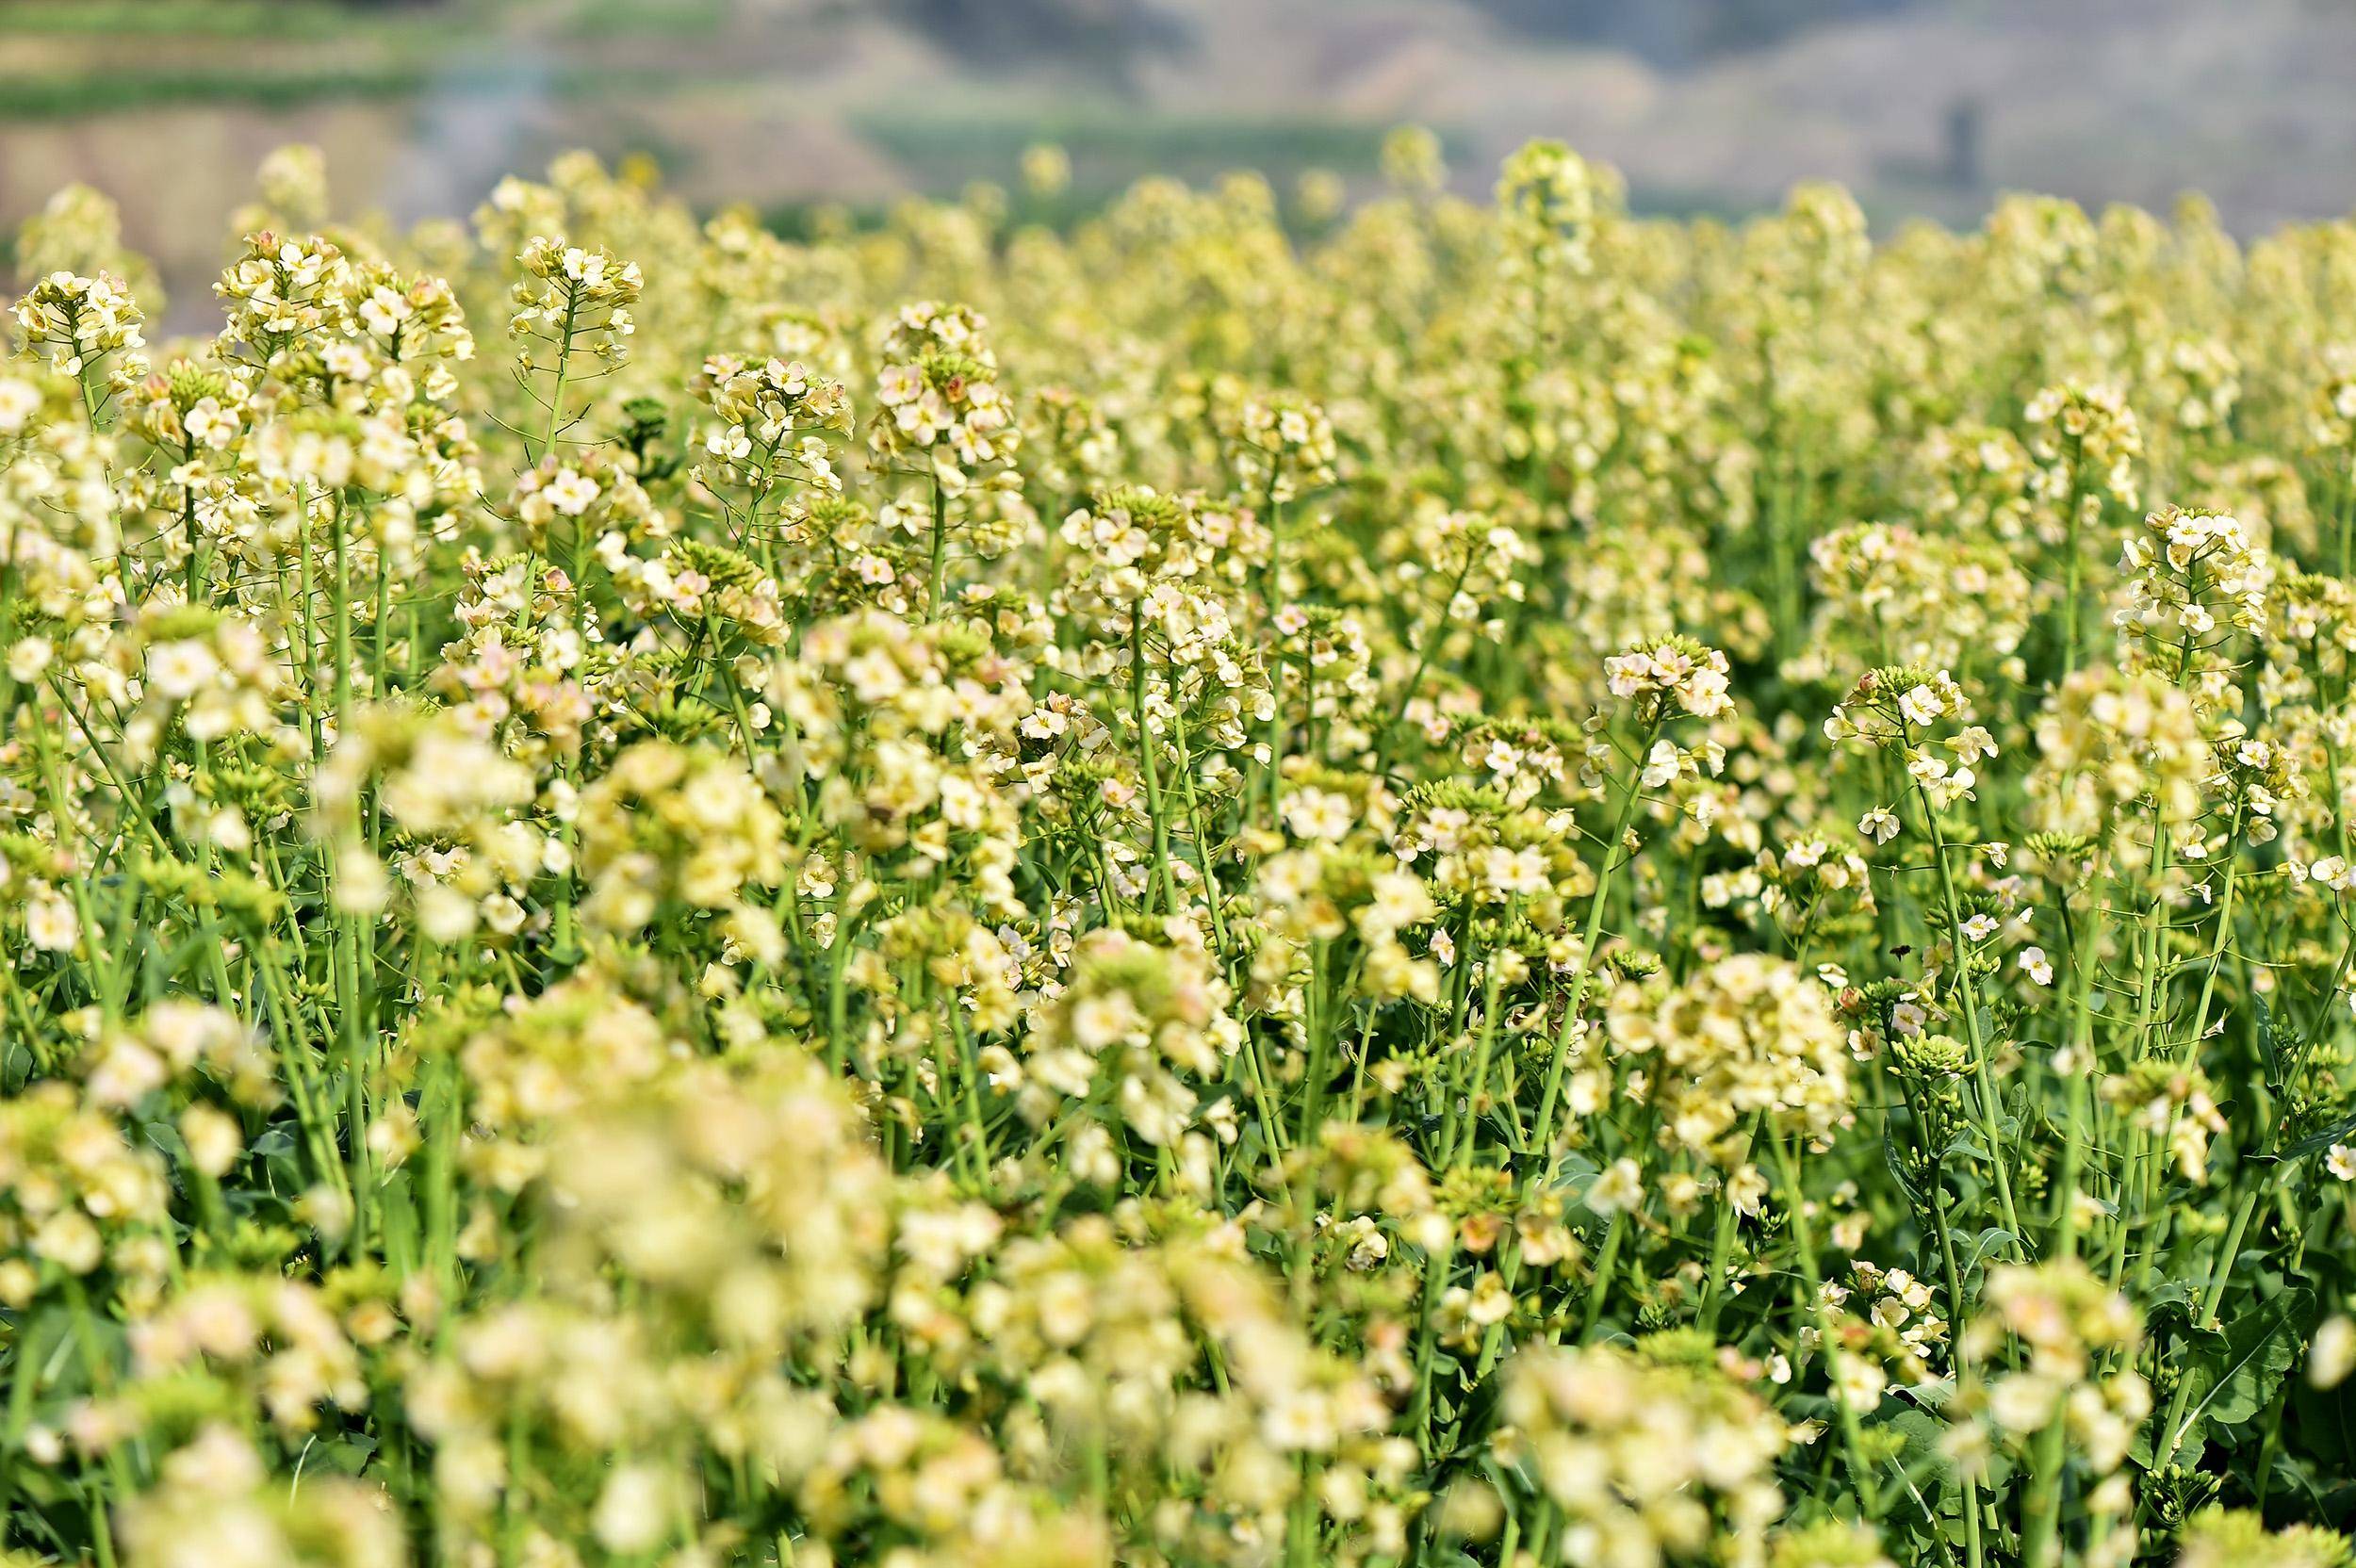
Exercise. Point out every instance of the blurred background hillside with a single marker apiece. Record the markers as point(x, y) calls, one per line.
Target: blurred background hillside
point(1924, 106)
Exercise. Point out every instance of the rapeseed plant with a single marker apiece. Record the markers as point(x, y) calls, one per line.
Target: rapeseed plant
point(1509, 886)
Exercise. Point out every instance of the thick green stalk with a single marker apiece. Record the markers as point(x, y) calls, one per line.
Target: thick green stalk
point(940, 573)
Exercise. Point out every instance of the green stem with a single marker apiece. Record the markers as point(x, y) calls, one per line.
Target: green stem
point(1542, 1139)
point(1984, 1077)
point(1852, 1434)
point(940, 552)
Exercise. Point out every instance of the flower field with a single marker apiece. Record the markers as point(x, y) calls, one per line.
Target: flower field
point(1256, 881)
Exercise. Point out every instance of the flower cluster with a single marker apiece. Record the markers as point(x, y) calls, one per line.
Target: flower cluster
point(1649, 1459)
point(79, 320)
point(1747, 1038)
point(572, 300)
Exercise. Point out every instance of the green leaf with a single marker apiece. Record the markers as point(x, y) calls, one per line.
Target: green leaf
point(2337, 1133)
point(2169, 1305)
point(2262, 1346)
point(1992, 1242)
point(1897, 1173)
point(1576, 1172)
point(2234, 1374)
point(1922, 1457)
point(2276, 1043)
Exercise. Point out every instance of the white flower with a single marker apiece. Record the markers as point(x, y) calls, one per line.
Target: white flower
point(2333, 1355)
point(2022, 1401)
point(634, 1510)
point(1618, 1189)
point(1972, 745)
point(51, 924)
point(1314, 813)
point(27, 658)
point(571, 493)
point(68, 1239)
point(2032, 963)
point(209, 425)
point(19, 401)
point(1879, 824)
point(177, 669)
point(1861, 1382)
point(1100, 1022)
point(1704, 693)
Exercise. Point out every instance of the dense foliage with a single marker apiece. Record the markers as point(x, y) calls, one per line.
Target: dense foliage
point(1462, 884)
